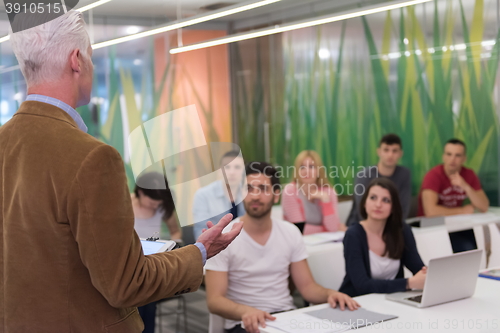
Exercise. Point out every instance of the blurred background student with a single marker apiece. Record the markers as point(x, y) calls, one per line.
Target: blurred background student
point(377, 248)
point(153, 205)
point(309, 200)
point(390, 152)
point(219, 198)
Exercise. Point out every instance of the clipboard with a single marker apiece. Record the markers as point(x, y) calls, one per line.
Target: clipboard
point(152, 246)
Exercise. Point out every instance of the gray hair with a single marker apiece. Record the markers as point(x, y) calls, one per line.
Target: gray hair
point(43, 51)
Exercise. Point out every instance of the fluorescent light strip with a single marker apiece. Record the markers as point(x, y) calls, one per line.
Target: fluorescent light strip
point(93, 5)
point(187, 22)
point(299, 25)
point(83, 9)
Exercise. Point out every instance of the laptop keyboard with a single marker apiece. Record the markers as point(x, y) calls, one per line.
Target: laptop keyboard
point(417, 299)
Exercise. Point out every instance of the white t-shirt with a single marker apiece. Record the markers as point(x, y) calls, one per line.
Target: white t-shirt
point(383, 268)
point(258, 274)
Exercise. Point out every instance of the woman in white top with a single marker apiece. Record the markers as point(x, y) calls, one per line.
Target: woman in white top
point(153, 204)
point(377, 249)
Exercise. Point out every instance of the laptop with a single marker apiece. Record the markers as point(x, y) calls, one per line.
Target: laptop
point(448, 279)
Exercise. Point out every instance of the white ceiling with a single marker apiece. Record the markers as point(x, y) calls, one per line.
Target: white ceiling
point(155, 8)
point(120, 14)
point(166, 10)
point(117, 15)
point(172, 8)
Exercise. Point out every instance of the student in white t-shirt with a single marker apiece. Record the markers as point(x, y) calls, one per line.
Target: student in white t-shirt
point(248, 281)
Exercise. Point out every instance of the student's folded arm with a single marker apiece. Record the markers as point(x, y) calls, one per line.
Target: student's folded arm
point(331, 220)
point(357, 273)
point(479, 200)
point(101, 219)
point(291, 209)
point(430, 200)
point(216, 287)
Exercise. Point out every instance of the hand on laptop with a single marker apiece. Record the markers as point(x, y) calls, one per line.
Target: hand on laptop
point(343, 300)
point(417, 281)
point(214, 240)
point(253, 318)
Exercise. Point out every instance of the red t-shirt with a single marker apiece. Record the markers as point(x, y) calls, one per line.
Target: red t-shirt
point(449, 196)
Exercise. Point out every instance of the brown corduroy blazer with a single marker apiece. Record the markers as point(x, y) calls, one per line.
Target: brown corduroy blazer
point(70, 259)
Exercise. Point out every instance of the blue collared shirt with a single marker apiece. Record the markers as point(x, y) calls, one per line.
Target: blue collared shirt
point(81, 125)
point(203, 252)
point(211, 204)
point(61, 105)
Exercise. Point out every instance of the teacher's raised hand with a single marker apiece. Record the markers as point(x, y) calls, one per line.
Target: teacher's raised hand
point(214, 240)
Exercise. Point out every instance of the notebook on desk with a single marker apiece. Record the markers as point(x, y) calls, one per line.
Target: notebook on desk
point(493, 273)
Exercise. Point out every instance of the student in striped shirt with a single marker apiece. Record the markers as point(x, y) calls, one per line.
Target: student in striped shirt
point(310, 201)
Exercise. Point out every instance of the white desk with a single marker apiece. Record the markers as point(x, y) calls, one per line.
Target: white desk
point(327, 260)
point(469, 221)
point(480, 313)
point(434, 241)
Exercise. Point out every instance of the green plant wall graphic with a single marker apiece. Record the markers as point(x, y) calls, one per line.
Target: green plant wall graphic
point(427, 80)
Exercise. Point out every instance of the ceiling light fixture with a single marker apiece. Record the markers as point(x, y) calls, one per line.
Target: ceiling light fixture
point(299, 25)
point(93, 5)
point(226, 11)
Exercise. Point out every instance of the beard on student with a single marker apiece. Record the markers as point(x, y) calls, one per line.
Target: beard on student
point(258, 209)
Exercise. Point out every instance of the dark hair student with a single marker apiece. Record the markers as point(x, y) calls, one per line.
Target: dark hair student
point(377, 249)
point(155, 186)
point(393, 230)
point(266, 169)
point(391, 139)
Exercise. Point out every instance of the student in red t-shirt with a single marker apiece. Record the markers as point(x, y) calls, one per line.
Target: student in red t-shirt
point(447, 185)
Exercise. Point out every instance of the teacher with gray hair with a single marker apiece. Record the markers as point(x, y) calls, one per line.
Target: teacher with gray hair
point(70, 258)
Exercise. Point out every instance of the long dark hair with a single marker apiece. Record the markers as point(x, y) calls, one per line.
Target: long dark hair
point(393, 230)
point(152, 185)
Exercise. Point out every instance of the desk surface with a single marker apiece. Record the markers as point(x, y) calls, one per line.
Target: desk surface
point(326, 247)
point(468, 221)
point(480, 313)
